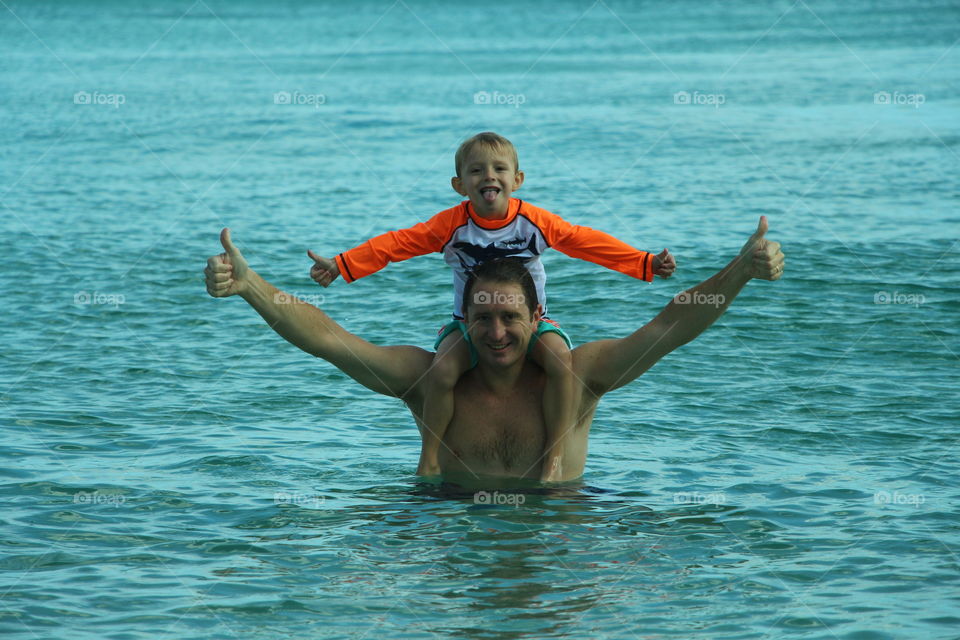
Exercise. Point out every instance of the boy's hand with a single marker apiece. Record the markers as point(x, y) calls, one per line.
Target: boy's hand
point(664, 264)
point(226, 273)
point(324, 270)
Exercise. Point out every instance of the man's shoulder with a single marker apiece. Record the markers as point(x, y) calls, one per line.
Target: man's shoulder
point(588, 358)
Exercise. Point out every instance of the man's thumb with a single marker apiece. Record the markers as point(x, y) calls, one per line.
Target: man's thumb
point(761, 228)
point(227, 244)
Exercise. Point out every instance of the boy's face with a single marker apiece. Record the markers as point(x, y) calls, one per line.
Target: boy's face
point(488, 177)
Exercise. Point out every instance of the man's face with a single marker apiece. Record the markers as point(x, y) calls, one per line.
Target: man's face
point(488, 177)
point(499, 323)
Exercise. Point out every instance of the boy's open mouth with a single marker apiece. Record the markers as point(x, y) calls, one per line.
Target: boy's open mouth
point(490, 193)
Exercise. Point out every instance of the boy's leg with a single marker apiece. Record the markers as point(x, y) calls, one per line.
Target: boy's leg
point(450, 362)
point(559, 405)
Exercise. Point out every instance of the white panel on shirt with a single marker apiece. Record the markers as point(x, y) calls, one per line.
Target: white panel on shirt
point(472, 244)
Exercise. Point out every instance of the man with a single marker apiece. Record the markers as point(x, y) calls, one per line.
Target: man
point(497, 428)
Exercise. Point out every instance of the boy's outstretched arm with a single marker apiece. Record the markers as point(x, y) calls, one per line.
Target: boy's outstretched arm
point(392, 371)
point(600, 247)
point(610, 364)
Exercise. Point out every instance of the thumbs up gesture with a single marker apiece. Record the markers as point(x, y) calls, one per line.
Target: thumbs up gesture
point(226, 273)
point(664, 264)
point(324, 270)
point(762, 257)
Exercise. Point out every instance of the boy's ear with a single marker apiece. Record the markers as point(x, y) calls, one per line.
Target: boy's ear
point(457, 185)
point(517, 180)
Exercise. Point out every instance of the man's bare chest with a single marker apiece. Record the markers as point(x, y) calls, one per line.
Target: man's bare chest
point(498, 433)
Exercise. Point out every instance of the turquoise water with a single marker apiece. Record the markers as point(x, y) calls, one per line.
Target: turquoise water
point(172, 469)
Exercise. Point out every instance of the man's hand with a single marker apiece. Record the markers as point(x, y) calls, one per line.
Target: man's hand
point(663, 264)
point(324, 270)
point(226, 273)
point(762, 257)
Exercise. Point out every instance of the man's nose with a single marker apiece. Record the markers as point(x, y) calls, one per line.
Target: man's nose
point(497, 329)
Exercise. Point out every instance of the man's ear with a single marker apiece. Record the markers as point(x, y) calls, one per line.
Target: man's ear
point(457, 185)
point(538, 313)
point(517, 180)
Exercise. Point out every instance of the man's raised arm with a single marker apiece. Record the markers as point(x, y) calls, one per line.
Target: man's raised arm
point(392, 371)
point(609, 364)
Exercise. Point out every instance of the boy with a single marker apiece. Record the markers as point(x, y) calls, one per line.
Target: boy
point(491, 224)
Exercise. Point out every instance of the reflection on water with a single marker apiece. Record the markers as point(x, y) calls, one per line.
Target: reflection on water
point(536, 562)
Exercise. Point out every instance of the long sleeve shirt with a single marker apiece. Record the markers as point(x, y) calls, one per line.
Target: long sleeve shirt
point(465, 240)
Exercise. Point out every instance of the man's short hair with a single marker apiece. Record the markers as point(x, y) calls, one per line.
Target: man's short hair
point(490, 139)
point(502, 271)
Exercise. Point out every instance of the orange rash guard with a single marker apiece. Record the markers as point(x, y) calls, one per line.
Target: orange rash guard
point(466, 239)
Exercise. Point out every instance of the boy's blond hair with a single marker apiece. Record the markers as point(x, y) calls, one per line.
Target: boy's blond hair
point(490, 139)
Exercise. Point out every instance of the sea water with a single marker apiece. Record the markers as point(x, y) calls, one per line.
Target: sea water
point(173, 469)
